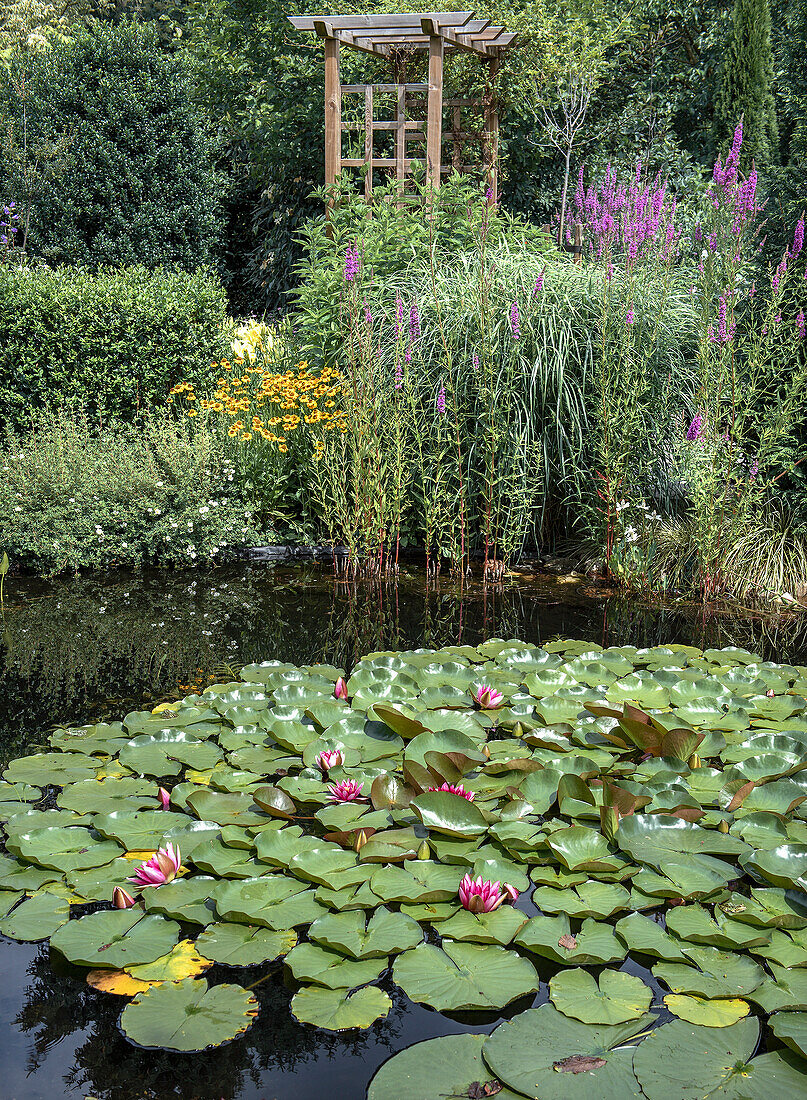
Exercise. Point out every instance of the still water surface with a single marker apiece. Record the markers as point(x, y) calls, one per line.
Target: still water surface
point(85, 649)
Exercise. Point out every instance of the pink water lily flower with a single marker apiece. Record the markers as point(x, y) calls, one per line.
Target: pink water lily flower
point(482, 896)
point(121, 899)
point(340, 689)
point(486, 697)
point(164, 866)
point(326, 760)
point(165, 798)
point(459, 789)
point(346, 791)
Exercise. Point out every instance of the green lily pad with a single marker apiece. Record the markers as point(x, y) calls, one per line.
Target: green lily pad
point(538, 1055)
point(791, 1029)
point(339, 1009)
point(188, 1015)
point(714, 974)
point(36, 919)
point(121, 937)
point(464, 975)
point(64, 849)
point(386, 933)
point(309, 962)
point(614, 999)
point(448, 1066)
point(551, 938)
point(242, 945)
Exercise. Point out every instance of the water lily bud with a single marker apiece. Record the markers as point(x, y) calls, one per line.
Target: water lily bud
point(694, 761)
point(486, 752)
point(340, 690)
point(361, 840)
point(165, 798)
point(518, 730)
point(723, 827)
point(121, 899)
point(423, 851)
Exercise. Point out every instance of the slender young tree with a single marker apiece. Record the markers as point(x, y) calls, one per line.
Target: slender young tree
point(745, 84)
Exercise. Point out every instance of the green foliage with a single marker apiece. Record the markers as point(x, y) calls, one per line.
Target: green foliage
point(75, 498)
point(112, 342)
point(745, 83)
point(107, 155)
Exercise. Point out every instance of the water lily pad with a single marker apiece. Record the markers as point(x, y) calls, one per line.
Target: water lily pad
point(64, 849)
point(614, 999)
point(714, 973)
point(464, 975)
point(683, 1061)
point(116, 981)
point(449, 1066)
point(188, 1015)
point(124, 937)
point(719, 1012)
point(537, 1054)
point(499, 927)
point(550, 937)
point(791, 1029)
point(241, 945)
point(386, 933)
point(309, 962)
point(192, 900)
point(339, 1009)
point(182, 961)
point(36, 919)
point(272, 901)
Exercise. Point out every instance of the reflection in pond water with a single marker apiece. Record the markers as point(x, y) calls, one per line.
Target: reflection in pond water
point(88, 648)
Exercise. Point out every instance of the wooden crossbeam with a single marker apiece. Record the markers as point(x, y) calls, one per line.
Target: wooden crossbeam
point(358, 89)
point(379, 22)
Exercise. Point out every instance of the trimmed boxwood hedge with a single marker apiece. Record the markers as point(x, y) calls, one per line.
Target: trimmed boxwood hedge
point(110, 343)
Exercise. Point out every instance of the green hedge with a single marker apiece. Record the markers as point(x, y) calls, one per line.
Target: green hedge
point(107, 156)
point(109, 343)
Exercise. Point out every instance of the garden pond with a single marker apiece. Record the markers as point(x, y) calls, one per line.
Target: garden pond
point(637, 782)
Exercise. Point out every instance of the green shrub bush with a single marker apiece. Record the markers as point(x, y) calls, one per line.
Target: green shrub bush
point(107, 155)
point(163, 492)
point(111, 342)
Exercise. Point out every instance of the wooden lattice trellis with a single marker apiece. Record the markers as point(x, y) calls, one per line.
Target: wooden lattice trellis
point(419, 108)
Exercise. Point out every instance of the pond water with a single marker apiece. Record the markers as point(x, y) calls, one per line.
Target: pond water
point(84, 649)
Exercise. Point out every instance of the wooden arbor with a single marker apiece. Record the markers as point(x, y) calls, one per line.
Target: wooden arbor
point(394, 37)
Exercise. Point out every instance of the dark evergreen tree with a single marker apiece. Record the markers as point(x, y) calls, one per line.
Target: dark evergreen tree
point(746, 81)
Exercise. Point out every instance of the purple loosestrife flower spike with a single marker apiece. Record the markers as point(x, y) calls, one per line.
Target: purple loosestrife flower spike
point(798, 237)
point(629, 316)
point(414, 322)
point(476, 361)
point(441, 399)
point(800, 325)
point(539, 283)
point(398, 316)
point(515, 321)
point(695, 430)
point(351, 262)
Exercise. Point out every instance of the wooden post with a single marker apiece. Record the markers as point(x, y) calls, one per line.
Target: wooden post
point(368, 141)
point(333, 112)
point(434, 131)
point(400, 134)
point(492, 128)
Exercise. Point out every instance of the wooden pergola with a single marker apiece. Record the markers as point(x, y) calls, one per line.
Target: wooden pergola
point(394, 38)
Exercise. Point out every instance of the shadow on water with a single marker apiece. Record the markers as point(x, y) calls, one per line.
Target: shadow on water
point(83, 649)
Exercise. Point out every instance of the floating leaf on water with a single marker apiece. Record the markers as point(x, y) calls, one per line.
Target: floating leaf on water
point(188, 1015)
point(464, 975)
point(339, 1009)
point(242, 945)
point(613, 999)
point(446, 1067)
point(523, 1054)
point(715, 1012)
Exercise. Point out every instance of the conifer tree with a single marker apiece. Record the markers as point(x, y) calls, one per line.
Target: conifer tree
point(745, 84)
